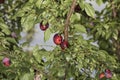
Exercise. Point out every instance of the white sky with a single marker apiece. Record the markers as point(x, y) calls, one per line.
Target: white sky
point(96, 7)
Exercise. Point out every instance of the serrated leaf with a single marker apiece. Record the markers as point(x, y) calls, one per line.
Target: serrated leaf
point(80, 28)
point(47, 34)
point(89, 10)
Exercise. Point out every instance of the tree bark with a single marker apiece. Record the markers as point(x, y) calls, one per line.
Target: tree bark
point(68, 20)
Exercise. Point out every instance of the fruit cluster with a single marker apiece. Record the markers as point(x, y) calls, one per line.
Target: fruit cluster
point(107, 74)
point(58, 40)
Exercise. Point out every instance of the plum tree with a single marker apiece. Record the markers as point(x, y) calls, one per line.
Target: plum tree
point(74, 19)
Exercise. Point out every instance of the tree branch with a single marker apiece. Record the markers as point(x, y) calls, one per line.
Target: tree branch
point(115, 42)
point(68, 20)
point(113, 9)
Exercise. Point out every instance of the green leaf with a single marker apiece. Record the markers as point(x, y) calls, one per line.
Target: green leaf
point(31, 1)
point(102, 55)
point(75, 17)
point(103, 34)
point(28, 22)
point(61, 73)
point(1, 20)
point(38, 57)
point(80, 28)
point(106, 26)
point(27, 76)
point(20, 13)
point(27, 7)
point(97, 35)
point(12, 40)
point(89, 10)
point(115, 36)
point(38, 3)
point(36, 54)
point(99, 2)
point(108, 34)
point(5, 28)
point(82, 4)
point(47, 34)
point(2, 48)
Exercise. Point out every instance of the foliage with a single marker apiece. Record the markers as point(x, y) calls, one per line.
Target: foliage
point(80, 60)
